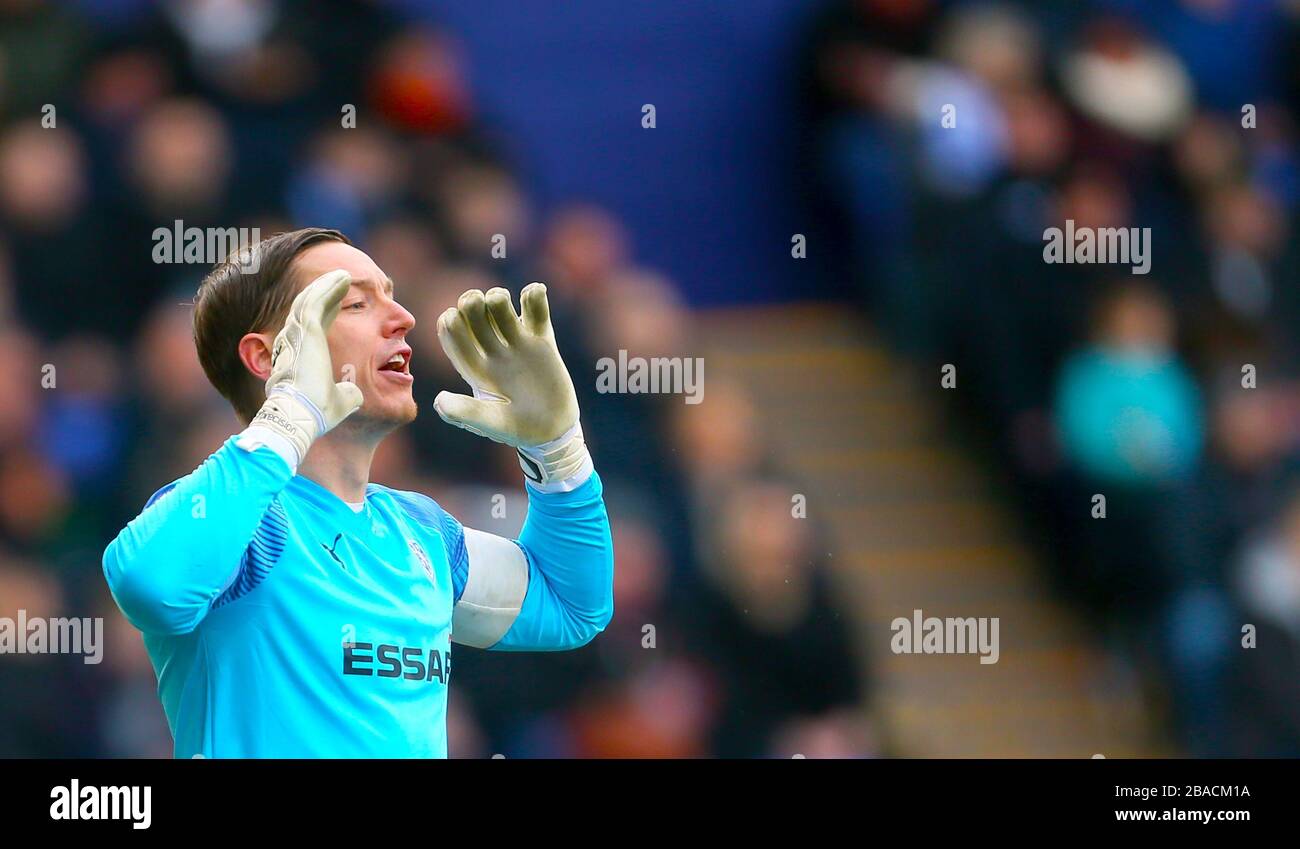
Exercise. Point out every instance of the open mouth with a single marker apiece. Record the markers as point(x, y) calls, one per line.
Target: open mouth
point(398, 365)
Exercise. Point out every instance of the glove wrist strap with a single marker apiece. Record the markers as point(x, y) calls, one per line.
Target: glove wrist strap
point(290, 415)
point(561, 465)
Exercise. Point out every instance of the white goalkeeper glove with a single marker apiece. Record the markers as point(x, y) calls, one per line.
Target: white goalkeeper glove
point(303, 401)
point(523, 396)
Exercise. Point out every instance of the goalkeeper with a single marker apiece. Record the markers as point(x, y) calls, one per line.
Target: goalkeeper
point(292, 608)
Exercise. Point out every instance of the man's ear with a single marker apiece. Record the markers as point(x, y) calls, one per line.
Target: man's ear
point(255, 354)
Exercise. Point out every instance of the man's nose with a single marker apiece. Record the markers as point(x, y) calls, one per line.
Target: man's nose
point(402, 319)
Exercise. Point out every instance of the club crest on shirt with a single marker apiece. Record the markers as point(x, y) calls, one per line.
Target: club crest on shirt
point(418, 550)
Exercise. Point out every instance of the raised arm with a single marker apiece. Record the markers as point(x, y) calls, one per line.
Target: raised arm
point(553, 588)
point(171, 563)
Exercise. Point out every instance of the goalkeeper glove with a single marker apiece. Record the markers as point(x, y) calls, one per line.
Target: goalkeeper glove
point(303, 401)
point(523, 396)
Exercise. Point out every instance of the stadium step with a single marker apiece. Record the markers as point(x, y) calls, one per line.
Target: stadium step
point(917, 524)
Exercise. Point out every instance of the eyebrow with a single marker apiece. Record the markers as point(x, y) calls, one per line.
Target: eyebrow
point(387, 281)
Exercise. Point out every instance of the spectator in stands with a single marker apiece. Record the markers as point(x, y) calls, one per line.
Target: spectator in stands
point(1267, 680)
point(1128, 414)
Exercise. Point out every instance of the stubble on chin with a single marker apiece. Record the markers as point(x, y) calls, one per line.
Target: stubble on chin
point(371, 423)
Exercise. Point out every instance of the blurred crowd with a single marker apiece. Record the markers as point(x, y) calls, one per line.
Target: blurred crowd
point(726, 638)
point(948, 137)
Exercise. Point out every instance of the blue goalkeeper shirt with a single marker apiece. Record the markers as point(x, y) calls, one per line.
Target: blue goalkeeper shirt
point(282, 622)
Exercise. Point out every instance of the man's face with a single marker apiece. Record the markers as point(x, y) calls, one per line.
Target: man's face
point(369, 331)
